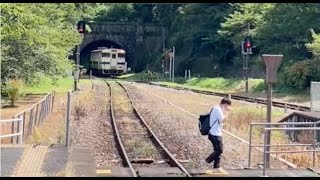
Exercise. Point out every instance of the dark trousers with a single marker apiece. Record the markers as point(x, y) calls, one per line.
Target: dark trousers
point(217, 150)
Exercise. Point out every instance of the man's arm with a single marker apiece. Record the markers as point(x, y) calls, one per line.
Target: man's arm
point(219, 115)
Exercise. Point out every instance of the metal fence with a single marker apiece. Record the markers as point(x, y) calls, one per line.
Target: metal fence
point(287, 127)
point(30, 118)
point(265, 152)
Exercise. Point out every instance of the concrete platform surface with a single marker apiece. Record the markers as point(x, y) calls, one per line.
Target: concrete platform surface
point(82, 161)
point(175, 172)
point(11, 155)
point(259, 173)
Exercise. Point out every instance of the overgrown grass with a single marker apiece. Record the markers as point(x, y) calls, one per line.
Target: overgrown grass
point(47, 85)
point(132, 76)
point(237, 86)
point(232, 85)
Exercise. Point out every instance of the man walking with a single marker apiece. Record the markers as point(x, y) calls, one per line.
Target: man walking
point(215, 134)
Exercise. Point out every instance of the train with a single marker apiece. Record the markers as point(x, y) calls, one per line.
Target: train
point(108, 61)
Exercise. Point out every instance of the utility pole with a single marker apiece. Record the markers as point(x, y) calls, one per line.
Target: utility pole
point(170, 66)
point(173, 57)
point(81, 29)
point(247, 68)
point(247, 74)
point(163, 51)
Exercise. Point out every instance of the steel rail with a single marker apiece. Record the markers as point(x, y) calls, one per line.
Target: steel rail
point(173, 161)
point(237, 97)
point(122, 151)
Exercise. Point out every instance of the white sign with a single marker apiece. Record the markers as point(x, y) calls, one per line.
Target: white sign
point(76, 74)
point(315, 96)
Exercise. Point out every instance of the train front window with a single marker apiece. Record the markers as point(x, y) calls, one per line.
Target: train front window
point(105, 54)
point(121, 55)
point(113, 56)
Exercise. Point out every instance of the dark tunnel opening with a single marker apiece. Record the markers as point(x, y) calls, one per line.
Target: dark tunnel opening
point(85, 52)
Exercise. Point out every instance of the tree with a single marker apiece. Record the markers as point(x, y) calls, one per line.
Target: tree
point(37, 39)
point(286, 29)
point(118, 12)
point(314, 47)
point(194, 33)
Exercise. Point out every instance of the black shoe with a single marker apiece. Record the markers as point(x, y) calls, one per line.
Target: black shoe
point(207, 161)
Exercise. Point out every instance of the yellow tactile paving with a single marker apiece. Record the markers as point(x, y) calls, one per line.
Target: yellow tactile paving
point(30, 166)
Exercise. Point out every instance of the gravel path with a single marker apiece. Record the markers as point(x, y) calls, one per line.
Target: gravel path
point(94, 129)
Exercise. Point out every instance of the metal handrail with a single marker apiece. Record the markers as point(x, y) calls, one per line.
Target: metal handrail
point(274, 124)
point(277, 145)
point(265, 152)
point(285, 123)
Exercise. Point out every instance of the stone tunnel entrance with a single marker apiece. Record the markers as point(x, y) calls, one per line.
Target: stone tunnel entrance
point(85, 52)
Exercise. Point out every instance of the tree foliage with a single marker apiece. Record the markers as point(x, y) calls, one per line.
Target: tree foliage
point(314, 46)
point(37, 38)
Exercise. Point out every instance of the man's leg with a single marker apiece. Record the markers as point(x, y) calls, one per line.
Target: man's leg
point(218, 149)
point(210, 158)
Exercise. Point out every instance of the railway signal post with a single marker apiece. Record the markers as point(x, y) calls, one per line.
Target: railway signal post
point(81, 27)
point(272, 62)
point(246, 50)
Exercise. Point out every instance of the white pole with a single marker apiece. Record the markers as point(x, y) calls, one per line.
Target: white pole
point(185, 73)
point(173, 57)
point(189, 73)
point(170, 67)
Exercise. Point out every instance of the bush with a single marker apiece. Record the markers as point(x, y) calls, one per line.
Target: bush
point(300, 74)
point(13, 89)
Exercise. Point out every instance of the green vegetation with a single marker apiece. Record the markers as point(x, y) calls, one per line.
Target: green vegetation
point(39, 38)
point(46, 85)
point(222, 84)
point(13, 88)
point(132, 76)
point(207, 37)
point(226, 85)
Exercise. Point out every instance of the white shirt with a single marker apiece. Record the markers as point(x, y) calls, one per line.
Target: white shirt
point(216, 114)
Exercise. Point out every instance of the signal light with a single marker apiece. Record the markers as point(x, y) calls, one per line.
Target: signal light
point(81, 27)
point(248, 42)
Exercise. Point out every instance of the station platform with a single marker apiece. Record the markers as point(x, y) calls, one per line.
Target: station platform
point(44, 161)
point(175, 172)
point(78, 161)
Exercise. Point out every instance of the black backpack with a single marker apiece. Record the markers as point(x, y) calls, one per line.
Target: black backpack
point(204, 123)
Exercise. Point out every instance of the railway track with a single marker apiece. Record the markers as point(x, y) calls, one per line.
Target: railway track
point(238, 97)
point(283, 161)
point(132, 133)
